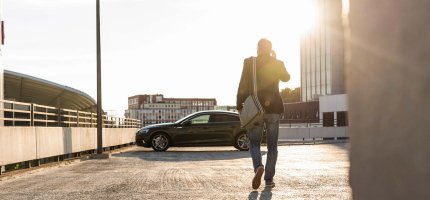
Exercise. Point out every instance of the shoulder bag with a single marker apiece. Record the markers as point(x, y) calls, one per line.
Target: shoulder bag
point(252, 111)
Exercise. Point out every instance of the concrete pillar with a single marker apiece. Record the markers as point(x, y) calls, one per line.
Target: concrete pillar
point(1, 69)
point(388, 83)
point(1, 92)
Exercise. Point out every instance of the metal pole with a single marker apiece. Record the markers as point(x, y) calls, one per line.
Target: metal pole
point(99, 86)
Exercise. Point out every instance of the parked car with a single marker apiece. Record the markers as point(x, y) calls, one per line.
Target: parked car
point(204, 128)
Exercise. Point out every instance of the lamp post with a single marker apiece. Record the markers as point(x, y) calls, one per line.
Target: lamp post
point(99, 86)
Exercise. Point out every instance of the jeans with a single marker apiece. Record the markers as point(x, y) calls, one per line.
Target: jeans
point(272, 127)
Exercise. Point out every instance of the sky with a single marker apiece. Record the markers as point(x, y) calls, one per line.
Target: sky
point(178, 48)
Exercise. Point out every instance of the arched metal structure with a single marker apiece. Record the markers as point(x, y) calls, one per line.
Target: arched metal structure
point(29, 89)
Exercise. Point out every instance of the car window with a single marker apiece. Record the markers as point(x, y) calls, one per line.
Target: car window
point(202, 119)
point(224, 118)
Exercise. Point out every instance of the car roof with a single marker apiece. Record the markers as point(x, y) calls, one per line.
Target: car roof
point(216, 112)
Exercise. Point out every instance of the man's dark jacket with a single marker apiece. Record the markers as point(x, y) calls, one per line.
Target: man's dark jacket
point(269, 72)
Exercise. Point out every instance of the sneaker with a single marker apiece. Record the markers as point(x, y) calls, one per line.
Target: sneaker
point(270, 184)
point(256, 181)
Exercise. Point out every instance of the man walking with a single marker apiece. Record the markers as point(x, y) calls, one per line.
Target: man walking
point(269, 72)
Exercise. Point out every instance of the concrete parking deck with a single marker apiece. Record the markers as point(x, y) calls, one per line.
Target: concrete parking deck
point(303, 172)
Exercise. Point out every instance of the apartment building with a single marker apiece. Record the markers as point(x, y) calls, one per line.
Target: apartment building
point(322, 53)
point(155, 108)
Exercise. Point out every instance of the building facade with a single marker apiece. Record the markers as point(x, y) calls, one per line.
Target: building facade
point(226, 108)
point(155, 109)
point(323, 66)
point(334, 110)
point(322, 53)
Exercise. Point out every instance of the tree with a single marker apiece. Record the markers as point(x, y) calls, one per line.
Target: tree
point(290, 96)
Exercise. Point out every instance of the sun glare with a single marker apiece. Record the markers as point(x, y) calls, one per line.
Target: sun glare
point(306, 15)
point(299, 15)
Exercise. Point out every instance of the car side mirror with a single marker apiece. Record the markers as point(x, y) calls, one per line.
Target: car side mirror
point(187, 123)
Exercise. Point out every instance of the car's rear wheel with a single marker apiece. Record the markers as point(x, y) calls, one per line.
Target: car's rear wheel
point(160, 142)
point(241, 141)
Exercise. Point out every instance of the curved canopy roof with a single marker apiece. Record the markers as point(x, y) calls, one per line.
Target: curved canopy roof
point(25, 88)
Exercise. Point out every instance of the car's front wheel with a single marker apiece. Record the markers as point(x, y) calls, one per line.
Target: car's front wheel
point(241, 141)
point(160, 142)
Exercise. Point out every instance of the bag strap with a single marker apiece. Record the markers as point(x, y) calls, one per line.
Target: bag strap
point(254, 80)
point(254, 74)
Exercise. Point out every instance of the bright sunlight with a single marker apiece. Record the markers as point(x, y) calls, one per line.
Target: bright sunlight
point(283, 22)
point(163, 41)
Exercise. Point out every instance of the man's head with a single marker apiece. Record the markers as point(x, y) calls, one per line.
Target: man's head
point(264, 47)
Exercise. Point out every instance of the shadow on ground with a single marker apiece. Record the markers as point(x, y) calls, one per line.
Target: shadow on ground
point(266, 194)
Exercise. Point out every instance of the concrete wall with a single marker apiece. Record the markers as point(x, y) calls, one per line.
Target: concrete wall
point(52, 141)
point(112, 137)
point(88, 139)
point(1, 83)
point(328, 132)
point(128, 136)
point(388, 84)
point(333, 103)
point(293, 133)
point(18, 144)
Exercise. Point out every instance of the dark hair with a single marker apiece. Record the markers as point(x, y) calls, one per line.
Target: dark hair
point(264, 47)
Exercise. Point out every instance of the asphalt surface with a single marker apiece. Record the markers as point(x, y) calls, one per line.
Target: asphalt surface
point(303, 172)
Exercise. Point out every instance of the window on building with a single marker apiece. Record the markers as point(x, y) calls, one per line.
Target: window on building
point(342, 118)
point(328, 119)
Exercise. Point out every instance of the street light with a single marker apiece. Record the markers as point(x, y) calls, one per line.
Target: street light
point(99, 86)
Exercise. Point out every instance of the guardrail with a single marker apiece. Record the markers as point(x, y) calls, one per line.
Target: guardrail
point(28, 114)
point(313, 123)
point(313, 133)
point(33, 134)
point(313, 130)
point(28, 146)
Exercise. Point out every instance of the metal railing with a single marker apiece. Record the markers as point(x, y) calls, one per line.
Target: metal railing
point(27, 114)
point(313, 123)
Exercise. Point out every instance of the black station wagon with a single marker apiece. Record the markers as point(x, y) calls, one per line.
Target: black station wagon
point(204, 128)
